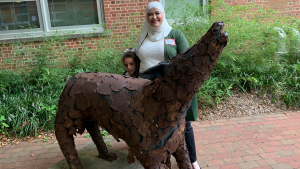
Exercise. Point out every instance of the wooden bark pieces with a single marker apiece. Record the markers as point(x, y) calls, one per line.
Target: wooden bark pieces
point(147, 115)
point(136, 100)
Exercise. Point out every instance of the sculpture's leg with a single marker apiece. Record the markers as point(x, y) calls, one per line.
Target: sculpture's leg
point(168, 162)
point(182, 156)
point(93, 129)
point(156, 166)
point(66, 143)
point(150, 163)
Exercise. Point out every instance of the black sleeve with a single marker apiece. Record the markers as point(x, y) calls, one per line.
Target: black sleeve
point(137, 70)
point(155, 71)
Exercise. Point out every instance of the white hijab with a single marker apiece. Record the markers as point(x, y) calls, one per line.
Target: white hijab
point(154, 34)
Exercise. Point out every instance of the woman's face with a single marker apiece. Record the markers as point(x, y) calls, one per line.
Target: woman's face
point(130, 66)
point(155, 17)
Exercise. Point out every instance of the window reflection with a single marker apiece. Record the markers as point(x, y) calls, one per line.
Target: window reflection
point(18, 15)
point(73, 12)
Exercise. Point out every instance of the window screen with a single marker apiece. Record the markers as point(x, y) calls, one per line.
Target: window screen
point(73, 12)
point(18, 15)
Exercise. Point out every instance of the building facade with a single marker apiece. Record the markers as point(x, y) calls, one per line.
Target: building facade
point(31, 20)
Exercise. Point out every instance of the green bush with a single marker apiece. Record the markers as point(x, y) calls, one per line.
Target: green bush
point(249, 61)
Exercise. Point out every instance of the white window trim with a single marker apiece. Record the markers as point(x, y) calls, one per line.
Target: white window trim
point(45, 24)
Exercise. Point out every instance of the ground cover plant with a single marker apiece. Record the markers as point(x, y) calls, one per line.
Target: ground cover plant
point(29, 94)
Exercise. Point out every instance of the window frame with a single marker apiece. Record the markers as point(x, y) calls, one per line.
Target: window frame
point(19, 31)
point(45, 24)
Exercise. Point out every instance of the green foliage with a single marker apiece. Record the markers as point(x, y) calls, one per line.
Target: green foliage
point(104, 133)
point(46, 139)
point(29, 97)
point(3, 125)
point(249, 61)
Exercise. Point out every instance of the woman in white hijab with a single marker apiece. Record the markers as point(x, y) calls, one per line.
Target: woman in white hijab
point(159, 42)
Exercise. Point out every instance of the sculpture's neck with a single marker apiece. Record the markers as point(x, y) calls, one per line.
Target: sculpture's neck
point(188, 70)
point(187, 73)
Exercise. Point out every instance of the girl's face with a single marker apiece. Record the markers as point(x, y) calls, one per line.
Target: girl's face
point(130, 66)
point(155, 17)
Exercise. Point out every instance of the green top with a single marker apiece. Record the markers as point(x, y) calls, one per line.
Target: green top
point(181, 44)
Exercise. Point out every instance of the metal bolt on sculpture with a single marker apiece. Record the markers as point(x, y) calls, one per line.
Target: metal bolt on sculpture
point(148, 115)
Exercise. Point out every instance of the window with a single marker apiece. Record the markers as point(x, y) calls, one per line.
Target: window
point(41, 17)
point(18, 15)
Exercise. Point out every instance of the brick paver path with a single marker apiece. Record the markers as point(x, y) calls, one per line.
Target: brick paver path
point(268, 141)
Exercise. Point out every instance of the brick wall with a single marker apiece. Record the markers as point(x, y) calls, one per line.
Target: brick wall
point(122, 14)
point(119, 16)
point(284, 7)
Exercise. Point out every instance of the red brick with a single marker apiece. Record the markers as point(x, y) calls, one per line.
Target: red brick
point(296, 157)
point(284, 159)
point(245, 137)
point(27, 158)
point(287, 147)
point(252, 158)
point(295, 164)
point(2, 156)
point(230, 166)
point(41, 151)
point(270, 119)
point(297, 151)
point(13, 150)
point(275, 138)
point(200, 147)
point(291, 136)
point(228, 127)
point(238, 153)
point(257, 145)
point(53, 160)
point(42, 166)
point(255, 151)
point(23, 164)
point(215, 162)
point(221, 155)
point(255, 124)
point(241, 125)
point(224, 150)
point(271, 149)
point(60, 154)
point(289, 141)
point(268, 155)
point(48, 155)
point(266, 162)
point(241, 147)
point(260, 140)
point(273, 143)
point(234, 160)
point(204, 158)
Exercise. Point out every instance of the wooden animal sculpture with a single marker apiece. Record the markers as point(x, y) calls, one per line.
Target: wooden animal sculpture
point(148, 115)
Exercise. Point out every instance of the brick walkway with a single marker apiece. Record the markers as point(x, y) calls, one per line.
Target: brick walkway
point(269, 141)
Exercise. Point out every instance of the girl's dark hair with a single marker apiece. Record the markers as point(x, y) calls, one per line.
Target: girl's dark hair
point(132, 54)
point(129, 54)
